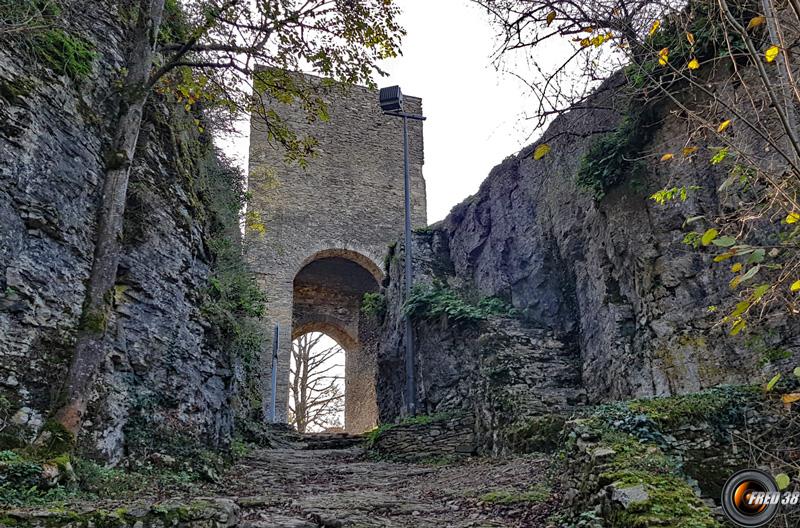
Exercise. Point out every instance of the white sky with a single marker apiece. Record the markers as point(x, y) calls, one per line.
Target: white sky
point(474, 112)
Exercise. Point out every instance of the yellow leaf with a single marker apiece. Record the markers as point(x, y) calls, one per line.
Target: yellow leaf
point(541, 151)
point(585, 42)
point(709, 236)
point(791, 397)
point(688, 151)
point(738, 327)
point(663, 56)
point(690, 38)
point(722, 126)
point(694, 64)
point(793, 218)
point(756, 21)
point(771, 53)
point(736, 268)
point(550, 17)
point(654, 27)
point(771, 383)
point(795, 286)
point(740, 309)
point(667, 156)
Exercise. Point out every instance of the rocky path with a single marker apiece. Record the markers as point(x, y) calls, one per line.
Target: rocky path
point(343, 487)
point(327, 481)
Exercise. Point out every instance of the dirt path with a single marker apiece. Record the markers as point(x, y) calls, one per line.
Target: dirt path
point(343, 487)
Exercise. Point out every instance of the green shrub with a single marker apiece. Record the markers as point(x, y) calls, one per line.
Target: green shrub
point(614, 157)
point(233, 301)
point(64, 53)
point(433, 302)
point(44, 37)
point(104, 481)
point(373, 305)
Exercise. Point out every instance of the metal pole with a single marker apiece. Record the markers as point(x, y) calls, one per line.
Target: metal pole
point(411, 389)
point(274, 386)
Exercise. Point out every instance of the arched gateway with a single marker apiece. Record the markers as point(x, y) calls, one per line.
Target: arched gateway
point(327, 230)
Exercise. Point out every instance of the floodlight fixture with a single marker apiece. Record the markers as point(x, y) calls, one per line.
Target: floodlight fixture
point(391, 99)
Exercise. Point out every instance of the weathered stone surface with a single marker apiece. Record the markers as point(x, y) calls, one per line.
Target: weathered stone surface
point(52, 164)
point(344, 488)
point(628, 496)
point(347, 205)
point(441, 438)
point(503, 371)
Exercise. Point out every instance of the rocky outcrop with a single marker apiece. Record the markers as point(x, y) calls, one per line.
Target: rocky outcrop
point(162, 363)
point(609, 280)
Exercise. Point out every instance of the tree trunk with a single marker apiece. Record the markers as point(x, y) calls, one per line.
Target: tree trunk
point(89, 348)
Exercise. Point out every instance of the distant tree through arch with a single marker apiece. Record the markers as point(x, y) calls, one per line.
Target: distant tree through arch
point(316, 400)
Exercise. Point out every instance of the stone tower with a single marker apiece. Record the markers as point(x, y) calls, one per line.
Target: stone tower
point(328, 226)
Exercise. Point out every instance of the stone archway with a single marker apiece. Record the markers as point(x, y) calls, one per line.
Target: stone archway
point(327, 294)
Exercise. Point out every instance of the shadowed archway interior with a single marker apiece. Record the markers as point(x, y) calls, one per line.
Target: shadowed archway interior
point(327, 298)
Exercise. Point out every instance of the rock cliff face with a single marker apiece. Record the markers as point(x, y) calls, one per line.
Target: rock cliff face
point(608, 284)
point(53, 136)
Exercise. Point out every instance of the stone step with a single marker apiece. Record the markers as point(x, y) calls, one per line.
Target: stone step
point(331, 440)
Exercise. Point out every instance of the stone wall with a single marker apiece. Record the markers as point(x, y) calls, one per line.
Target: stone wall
point(347, 203)
point(427, 439)
point(53, 142)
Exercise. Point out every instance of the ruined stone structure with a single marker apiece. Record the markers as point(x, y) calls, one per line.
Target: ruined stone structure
point(328, 228)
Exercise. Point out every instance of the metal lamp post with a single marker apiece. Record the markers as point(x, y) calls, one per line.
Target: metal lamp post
point(391, 102)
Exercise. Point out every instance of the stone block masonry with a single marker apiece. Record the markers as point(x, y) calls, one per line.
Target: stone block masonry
point(427, 440)
point(342, 210)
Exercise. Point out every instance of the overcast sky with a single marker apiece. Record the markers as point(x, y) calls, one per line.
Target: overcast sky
point(474, 113)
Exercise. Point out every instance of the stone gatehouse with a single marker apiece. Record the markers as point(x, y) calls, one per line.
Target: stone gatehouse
point(328, 226)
